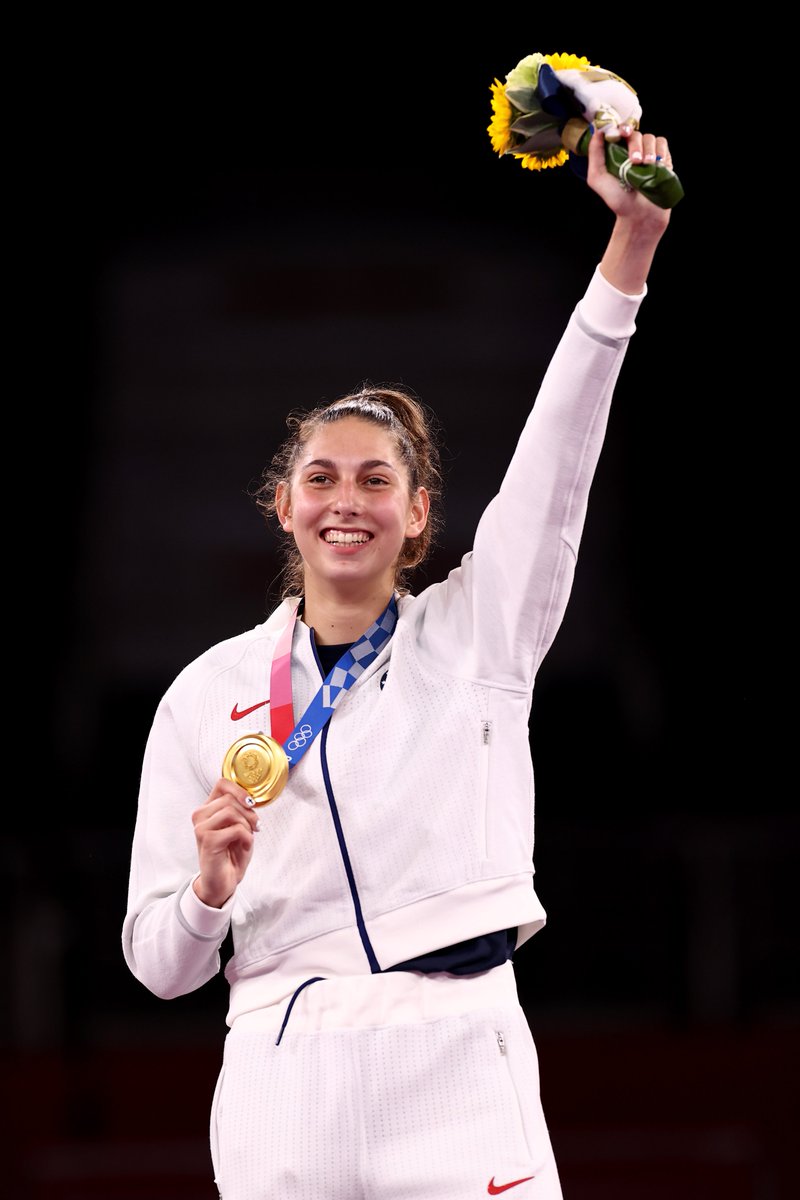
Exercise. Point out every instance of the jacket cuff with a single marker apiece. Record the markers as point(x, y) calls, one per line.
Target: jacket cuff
point(201, 918)
point(607, 309)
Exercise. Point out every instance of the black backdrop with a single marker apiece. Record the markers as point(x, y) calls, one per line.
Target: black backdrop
point(229, 224)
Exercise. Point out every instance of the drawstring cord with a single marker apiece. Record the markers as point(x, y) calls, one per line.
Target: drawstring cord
point(297, 991)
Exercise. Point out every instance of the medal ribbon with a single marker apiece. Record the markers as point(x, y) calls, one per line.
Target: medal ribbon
point(297, 738)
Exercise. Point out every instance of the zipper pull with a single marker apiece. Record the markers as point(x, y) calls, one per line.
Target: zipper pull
point(486, 729)
point(501, 1042)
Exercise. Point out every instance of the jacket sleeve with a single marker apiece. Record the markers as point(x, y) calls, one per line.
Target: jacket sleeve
point(170, 939)
point(507, 599)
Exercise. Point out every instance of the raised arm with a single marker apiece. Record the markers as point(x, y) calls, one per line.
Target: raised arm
point(508, 598)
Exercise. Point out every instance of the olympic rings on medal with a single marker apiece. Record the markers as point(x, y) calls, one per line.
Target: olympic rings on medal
point(300, 738)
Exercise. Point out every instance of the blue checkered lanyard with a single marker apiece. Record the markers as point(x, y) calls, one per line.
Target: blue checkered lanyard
point(337, 683)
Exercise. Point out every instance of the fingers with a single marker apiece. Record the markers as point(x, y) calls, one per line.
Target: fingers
point(226, 787)
point(646, 147)
point(223, 835)
point(663, 152)
point(213, 819)
point(226, 796)
point(227, 818)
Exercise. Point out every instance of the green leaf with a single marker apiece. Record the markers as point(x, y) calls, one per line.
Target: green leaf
point(524, 99)
point(526, 73)
point(533, 123)
point(547, 141)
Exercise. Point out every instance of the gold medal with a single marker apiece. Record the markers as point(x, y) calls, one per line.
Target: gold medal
point(258, 764)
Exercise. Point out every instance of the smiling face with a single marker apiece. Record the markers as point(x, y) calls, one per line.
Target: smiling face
point(350, 508)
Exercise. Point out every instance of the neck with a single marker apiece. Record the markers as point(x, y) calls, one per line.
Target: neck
point(337, 619)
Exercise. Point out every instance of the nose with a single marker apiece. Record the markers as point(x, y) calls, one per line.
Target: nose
point(346, 499)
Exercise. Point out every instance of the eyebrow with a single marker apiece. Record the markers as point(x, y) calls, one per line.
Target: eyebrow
point(330, 465)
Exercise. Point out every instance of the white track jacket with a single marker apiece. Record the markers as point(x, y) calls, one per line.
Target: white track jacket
point(408, 825)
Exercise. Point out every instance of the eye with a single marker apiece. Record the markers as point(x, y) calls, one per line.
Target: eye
point(376, 481)
point(319, 478)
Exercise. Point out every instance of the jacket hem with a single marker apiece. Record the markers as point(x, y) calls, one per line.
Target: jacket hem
point(455, 915)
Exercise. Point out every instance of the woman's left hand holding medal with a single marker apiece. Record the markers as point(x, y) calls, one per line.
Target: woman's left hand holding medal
point(224, 828)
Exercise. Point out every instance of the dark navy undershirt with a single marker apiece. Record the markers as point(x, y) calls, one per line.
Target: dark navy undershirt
point(464, 958)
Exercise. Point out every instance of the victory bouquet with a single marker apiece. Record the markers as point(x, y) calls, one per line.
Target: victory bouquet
point(548, 108)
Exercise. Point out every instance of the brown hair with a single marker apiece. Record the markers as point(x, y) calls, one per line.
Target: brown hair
point(415, 430)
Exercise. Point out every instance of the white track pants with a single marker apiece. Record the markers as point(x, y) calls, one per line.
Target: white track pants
point(386, 1087)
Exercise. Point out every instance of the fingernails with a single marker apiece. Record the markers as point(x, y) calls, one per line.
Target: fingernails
point(250, 802)
point(649, 158)
point(258, 824)
point(636, 155)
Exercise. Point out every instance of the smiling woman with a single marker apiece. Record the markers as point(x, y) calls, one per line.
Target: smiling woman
point(402, 451)
point(347, 487)
point(377, 1046)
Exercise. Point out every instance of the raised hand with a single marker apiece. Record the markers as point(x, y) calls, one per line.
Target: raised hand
point(628, 202)
point(640, 224)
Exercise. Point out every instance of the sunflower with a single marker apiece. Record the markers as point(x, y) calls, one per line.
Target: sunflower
point(567, 62)
point(536, 162)
point(519, 119)
point(500, 128)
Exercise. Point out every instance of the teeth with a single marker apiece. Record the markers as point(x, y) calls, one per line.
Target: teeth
point(337, 537)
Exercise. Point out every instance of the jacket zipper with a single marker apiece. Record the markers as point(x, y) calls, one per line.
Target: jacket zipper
point(483, 787)
point(374, 965)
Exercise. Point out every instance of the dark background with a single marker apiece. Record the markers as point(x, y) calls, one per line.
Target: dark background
point(225, 224)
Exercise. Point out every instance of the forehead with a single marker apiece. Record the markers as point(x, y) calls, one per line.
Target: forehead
point(351, 440)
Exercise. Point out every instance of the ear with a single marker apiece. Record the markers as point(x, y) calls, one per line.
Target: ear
point(418, 514)
point(282, 506)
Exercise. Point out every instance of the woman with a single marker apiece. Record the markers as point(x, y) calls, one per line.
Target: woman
point(377, 1048)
